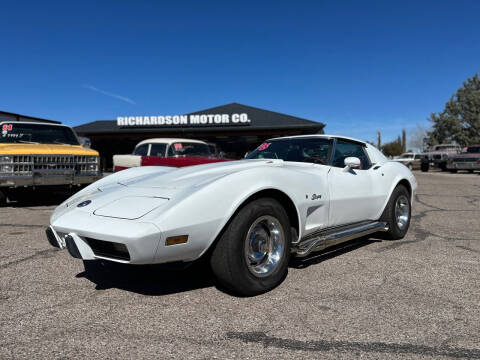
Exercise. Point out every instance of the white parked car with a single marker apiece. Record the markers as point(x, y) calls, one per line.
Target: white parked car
point(291, 196)
point(410, 160)
point(166, 152)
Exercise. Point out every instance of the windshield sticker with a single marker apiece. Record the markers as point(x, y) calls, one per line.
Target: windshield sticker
point(264, 146)
point(178, 146)
point(6, 128)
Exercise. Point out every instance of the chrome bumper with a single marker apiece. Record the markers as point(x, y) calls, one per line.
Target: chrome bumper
point(38, 179)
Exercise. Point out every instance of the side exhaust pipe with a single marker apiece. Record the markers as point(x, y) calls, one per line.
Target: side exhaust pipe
point(320, 242)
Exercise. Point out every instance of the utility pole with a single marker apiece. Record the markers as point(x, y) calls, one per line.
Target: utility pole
point(379, 140)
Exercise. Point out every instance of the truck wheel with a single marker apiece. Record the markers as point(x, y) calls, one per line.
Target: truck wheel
point(453, 171)
point(443, 166)
point(251, 256)
point(397, 214)
point(3, 198)
point(424, 166)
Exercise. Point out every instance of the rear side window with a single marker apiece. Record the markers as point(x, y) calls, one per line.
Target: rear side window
point(345, 149)
point(158, 150)
point(141, 150)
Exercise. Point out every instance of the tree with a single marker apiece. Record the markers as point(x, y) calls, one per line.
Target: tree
point(415, 139)
point(393, 148)
point(460, 120)
point(404, 140)
point(379, 140)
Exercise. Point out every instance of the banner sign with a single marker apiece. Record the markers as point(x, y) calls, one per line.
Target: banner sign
point(184, 120)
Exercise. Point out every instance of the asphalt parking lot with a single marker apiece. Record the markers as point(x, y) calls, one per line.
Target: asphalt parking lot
point(414, 298)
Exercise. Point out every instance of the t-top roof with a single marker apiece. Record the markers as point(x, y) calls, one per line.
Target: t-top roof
point(260, 120)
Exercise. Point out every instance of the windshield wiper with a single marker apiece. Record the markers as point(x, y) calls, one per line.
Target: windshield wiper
point(28, 142)
point(60, 143)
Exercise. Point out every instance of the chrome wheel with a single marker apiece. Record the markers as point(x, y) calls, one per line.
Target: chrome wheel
point(264, 246)
point(402, 212)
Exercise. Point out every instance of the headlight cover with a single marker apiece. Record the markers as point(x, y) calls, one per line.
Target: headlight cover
point(6, 168)
point(6, 159)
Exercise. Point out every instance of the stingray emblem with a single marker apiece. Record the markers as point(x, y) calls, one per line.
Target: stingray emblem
point(315, 197)
point(84, 203)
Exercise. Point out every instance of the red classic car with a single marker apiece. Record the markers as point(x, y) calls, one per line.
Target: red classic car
point(166, 152)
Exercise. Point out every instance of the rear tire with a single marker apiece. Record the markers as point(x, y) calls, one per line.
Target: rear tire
point(3, 199)
point(397, 214)
point(252, 254)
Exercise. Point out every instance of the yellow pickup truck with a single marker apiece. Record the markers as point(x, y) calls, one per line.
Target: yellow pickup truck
point(34, 155)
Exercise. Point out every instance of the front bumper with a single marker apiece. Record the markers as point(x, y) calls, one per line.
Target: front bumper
point(468, 165)
point(118, 240)
point(38, 179)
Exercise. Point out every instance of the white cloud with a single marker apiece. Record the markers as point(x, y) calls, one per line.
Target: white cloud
point(103, 92)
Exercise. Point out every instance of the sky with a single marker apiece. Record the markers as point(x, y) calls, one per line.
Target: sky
point(357, 66)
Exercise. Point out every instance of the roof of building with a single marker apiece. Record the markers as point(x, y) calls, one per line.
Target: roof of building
point(260, 120)
point(8, 116)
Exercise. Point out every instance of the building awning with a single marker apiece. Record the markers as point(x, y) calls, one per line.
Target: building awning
point(232, 118)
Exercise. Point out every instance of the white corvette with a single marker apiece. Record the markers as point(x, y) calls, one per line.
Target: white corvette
point(290, 196)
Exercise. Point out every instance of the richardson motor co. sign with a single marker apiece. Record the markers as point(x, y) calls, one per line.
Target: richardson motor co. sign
point(184, 120)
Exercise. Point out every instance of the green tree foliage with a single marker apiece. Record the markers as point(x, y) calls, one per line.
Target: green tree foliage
point(393, 148)
point(460, 120)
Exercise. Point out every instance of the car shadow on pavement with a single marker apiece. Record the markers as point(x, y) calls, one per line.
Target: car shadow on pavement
point(40, 198)
point(153, 280)
point(157, 280)
point(331, 252)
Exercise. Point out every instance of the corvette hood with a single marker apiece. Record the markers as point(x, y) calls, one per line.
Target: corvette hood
point(138, 194)
point(194, 176)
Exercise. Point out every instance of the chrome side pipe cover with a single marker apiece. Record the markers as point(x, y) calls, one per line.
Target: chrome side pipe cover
point(322, 241)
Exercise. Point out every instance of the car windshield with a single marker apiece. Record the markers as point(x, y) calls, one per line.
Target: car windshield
point(473, 149)
point(312, 150)
point(37, 134)
point(445, 148)
point(188, 149)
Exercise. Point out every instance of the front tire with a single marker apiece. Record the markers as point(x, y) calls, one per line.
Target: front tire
point(424, 166)
point(397, 214)
point(251, 256)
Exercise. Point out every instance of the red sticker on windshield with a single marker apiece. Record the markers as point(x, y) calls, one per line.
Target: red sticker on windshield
point(178, 146)
point(7, 127)
point(264, 146)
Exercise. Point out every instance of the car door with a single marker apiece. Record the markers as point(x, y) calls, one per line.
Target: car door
point(350, 191)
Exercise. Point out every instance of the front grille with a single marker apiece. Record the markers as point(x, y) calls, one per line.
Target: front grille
point(49, 164)
point(52, 163)
point(108, 249)
point(437, 157)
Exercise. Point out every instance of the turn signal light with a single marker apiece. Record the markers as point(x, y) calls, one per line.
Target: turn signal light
point(174, 240)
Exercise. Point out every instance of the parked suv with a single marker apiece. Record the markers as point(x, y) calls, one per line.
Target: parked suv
point(438, 155)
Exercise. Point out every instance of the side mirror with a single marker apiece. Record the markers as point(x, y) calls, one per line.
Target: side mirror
point(352, 163)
